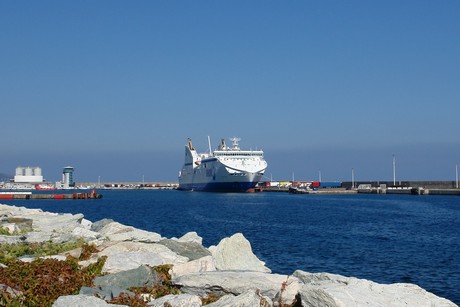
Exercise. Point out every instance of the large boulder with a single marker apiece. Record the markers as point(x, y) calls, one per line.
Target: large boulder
point(191, 250)
point(81, 301)
point(250, 298)
point(85, 234)
point(142, 276)
point(106, 293)
point(181, 300)
point(191, 236)
point(5, 239)
point(123, 256)
point(274, 286)
point(331, 290)
point(98, 225)
point(118, 232)
point(235, 253)
point(204, 264)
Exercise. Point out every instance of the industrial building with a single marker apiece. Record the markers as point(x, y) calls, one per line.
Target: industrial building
point(28, 175)
point(31, 178)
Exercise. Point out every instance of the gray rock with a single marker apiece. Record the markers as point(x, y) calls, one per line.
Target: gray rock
point(191, 250)
point(181, 300)
point(331, 290)
point(143, 276)
point(235, 253)
point(11, 239)
point(98, 225)
point(238, 282)
point(81, 301)
point(191, 237)
point(106, 292)
point(248, 299)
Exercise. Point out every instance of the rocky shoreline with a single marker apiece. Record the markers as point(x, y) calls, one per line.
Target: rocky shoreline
point(229, 271)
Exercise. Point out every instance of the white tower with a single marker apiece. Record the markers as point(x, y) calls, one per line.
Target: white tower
point(67, 178)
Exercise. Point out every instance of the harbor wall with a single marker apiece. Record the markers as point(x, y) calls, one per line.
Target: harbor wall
point(407, 184)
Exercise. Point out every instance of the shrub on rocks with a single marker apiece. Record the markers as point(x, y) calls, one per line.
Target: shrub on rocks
point(42, 281)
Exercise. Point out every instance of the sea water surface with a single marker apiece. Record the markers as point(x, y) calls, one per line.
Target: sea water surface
point(383, 238)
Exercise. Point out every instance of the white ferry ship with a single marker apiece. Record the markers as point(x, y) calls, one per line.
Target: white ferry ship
point(227, 169)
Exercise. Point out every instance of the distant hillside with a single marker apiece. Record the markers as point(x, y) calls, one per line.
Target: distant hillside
point(4, 177)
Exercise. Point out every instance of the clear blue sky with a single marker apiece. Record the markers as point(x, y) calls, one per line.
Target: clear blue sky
point(115, 88)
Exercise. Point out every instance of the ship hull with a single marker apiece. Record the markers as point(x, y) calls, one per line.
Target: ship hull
point(219, 186)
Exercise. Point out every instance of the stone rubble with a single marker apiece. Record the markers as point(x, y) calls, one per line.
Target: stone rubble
point(229, 270)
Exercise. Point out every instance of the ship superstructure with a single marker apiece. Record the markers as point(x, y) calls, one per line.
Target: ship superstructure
point(226, 169)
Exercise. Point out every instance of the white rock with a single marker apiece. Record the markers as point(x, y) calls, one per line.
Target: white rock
point(238, 282)
point(56, 222)
point(56, 257)
point(191, 237)
point(124, 256)
point(130, 260)
point(182, 300)
point(85, 233)
point(114, 228)
point(86, 224)
point(118, 232)
point(235, 253)
point(81, 301)
point(248, 299)
point(323, 289)
point(204, 264)
point(4, 239)
point(45, 225)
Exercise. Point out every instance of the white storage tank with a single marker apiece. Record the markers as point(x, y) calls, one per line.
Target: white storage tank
point(29, 171)
point(37, 171)
point(19, 171)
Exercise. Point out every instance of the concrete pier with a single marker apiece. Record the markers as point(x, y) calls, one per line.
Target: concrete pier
point(13, 195)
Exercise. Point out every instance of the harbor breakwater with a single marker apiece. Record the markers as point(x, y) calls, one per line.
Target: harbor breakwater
point(229, 270)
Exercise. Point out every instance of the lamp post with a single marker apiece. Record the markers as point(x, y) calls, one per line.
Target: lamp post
point(352, 178)
point(456, 176)
point(394, 170)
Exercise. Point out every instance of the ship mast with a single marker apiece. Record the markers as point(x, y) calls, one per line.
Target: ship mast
point(209, 144)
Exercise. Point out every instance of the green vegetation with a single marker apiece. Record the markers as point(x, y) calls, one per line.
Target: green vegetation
point(10, 252)
point(4, 232)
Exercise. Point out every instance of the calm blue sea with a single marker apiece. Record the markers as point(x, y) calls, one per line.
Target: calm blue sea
point(384, 238)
